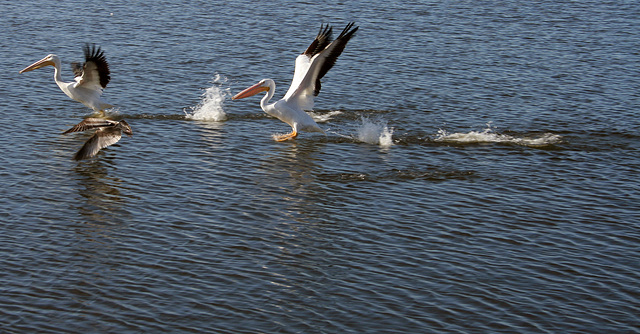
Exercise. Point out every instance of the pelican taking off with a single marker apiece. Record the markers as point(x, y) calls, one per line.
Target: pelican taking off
point(108, 133)
point(90, 77)
point(311, 66)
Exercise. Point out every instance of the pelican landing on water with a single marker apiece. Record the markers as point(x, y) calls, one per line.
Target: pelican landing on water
point(310, 67)
point(90, 78)
point(108, 133)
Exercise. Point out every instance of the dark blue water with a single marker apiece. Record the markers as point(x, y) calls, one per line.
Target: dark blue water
point(479, 173)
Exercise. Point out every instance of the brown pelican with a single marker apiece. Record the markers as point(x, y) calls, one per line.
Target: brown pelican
point(108, 133)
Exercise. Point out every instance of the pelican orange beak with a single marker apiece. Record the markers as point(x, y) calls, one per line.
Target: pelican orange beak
point(251, 91)
point(46, 61)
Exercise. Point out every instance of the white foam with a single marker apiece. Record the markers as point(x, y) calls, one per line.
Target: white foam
point(323, 117)
point(488, 135)
point(112, 111)
point(375, 132)
point(211, 106)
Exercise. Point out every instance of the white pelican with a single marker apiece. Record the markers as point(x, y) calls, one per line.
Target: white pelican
point(311, 66)
point(90, 77)
point(108, 133)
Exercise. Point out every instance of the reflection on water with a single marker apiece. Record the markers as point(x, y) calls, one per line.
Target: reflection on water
point(103, 201)
point(302, 268)
point(211, 133)
point(296, 168)
point(202, 223)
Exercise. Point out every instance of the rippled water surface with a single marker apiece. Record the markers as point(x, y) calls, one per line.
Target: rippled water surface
point(479, 172)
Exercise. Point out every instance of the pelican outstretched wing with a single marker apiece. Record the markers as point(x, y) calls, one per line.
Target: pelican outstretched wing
point(91, 123)
point(94, 73)
point(102, 138)
point(314, 63)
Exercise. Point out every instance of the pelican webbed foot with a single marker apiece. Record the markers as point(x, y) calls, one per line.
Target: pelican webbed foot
point(288, 136)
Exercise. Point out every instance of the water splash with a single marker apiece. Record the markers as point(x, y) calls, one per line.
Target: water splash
point(211, 106)
point(113, 111)
point(489, 135)
point(375, 132)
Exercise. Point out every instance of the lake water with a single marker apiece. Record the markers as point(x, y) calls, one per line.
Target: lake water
point(479, 174)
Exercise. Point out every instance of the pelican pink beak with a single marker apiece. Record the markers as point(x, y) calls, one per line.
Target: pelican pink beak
point(46, 61)
point(251, 91)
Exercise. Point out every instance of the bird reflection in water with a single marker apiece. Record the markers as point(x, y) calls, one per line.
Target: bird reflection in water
point(293, 168)
point(103, 203)
point(96, 249)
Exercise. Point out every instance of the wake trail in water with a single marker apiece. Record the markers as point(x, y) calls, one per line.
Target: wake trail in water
point(489, 135)
point(211, 106)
